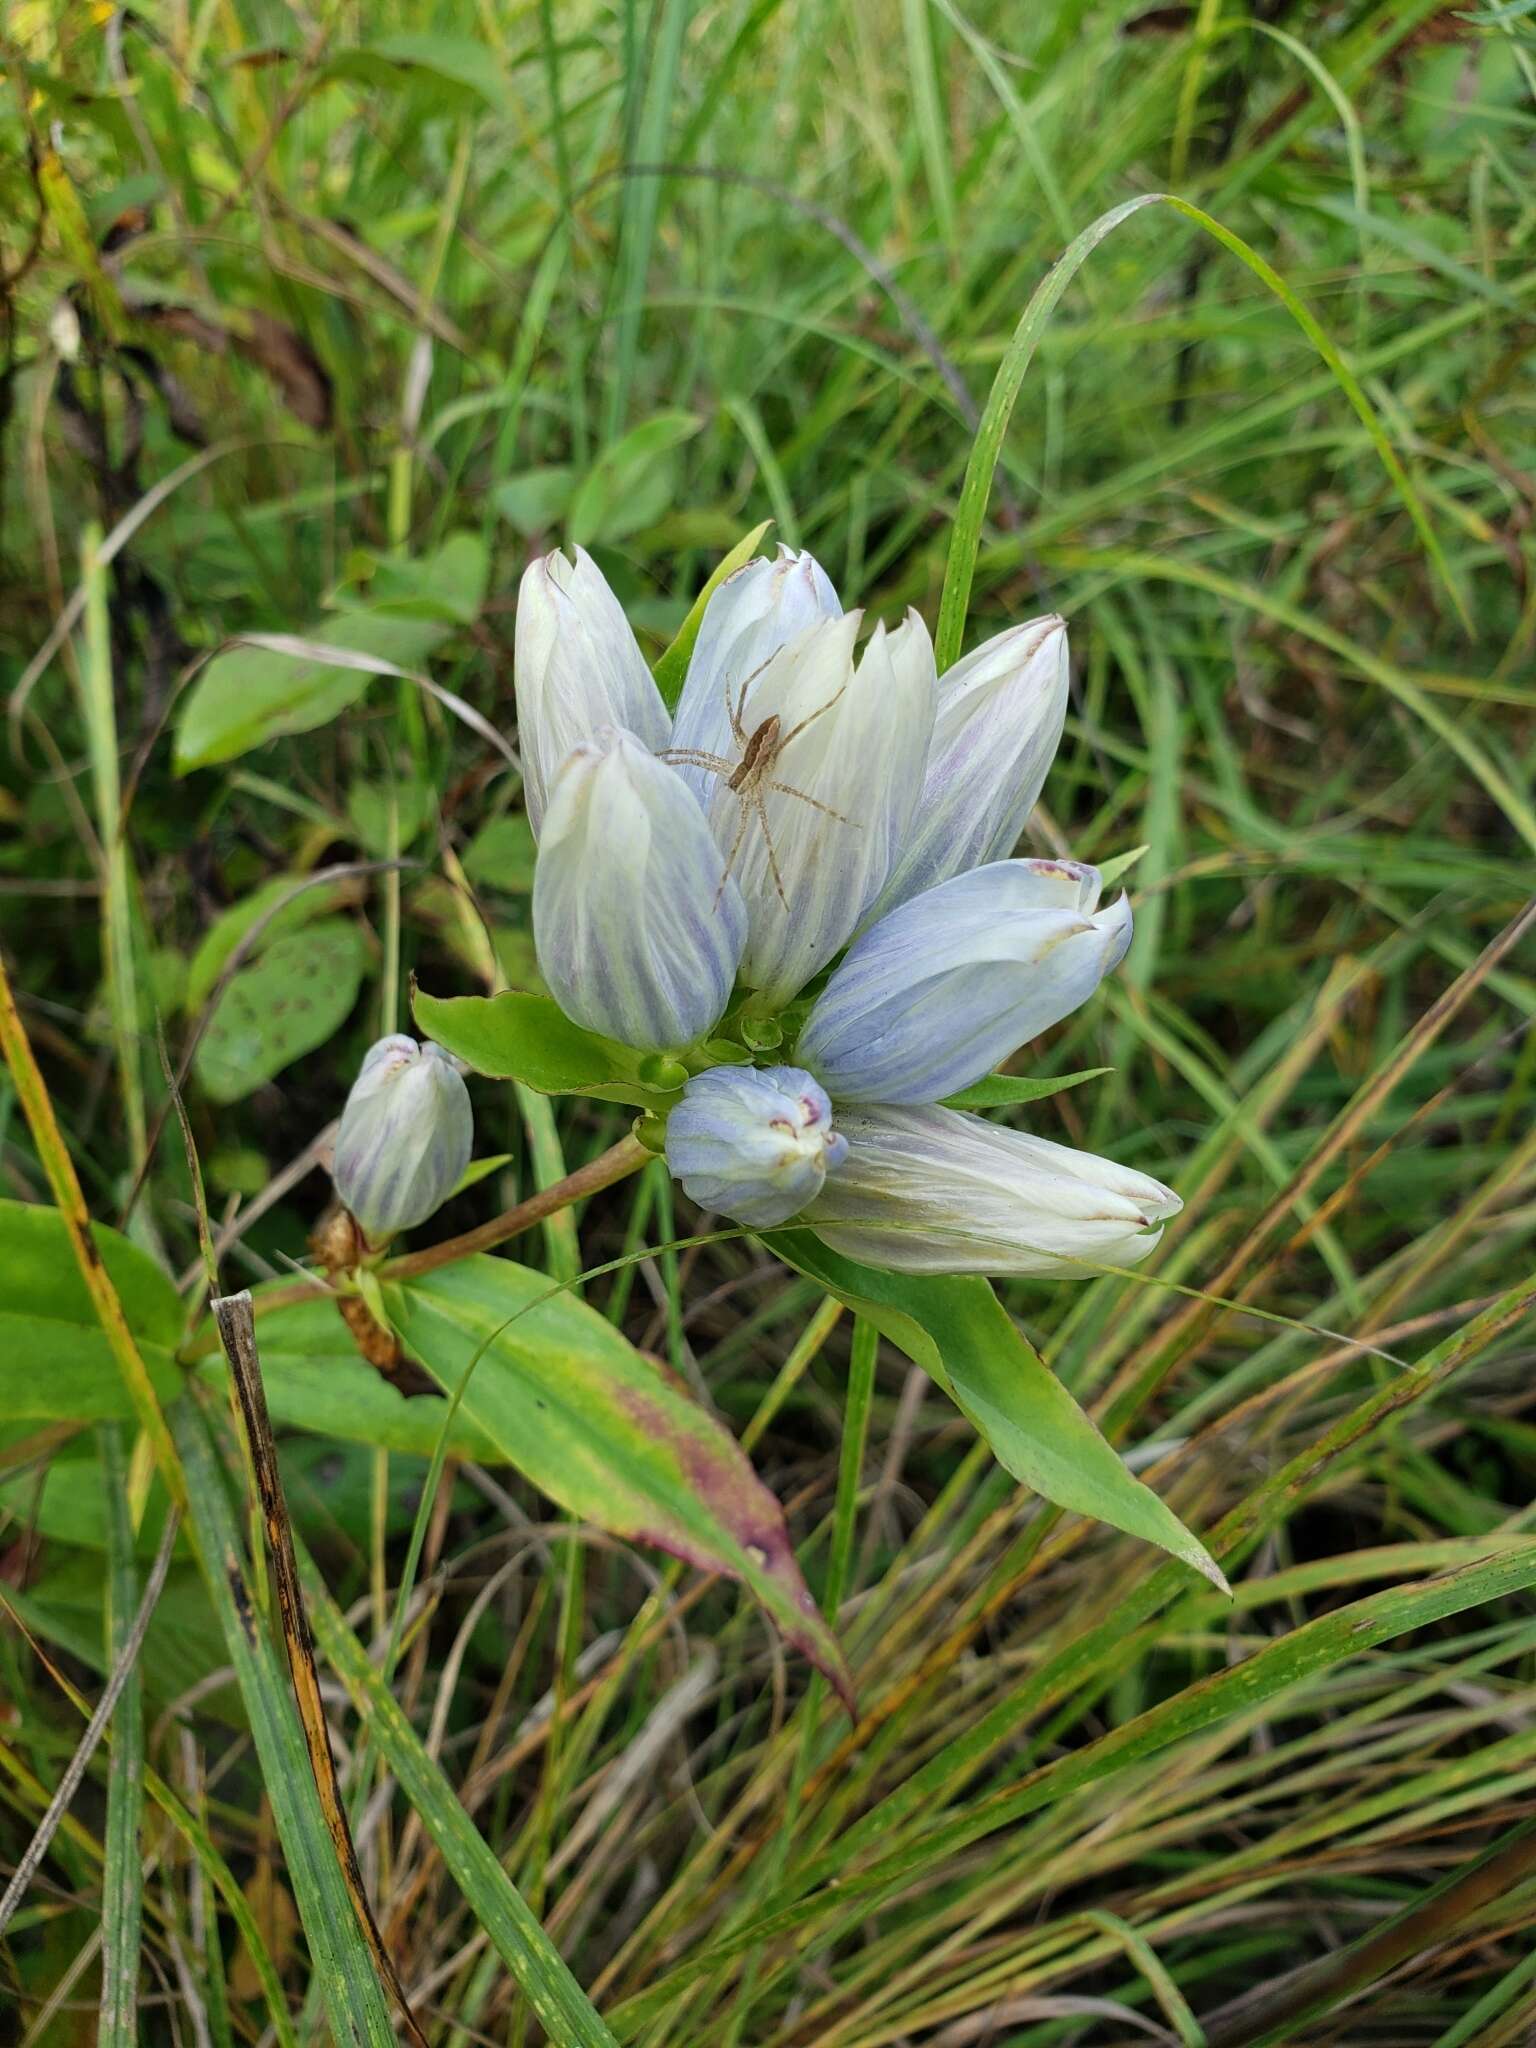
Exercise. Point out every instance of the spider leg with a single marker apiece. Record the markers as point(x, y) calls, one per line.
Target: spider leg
point(773, 859)
point(795, 731)
point(736, 711)
point(788, 789)
point(730, 858)
point(733, 710)
point(696, 757)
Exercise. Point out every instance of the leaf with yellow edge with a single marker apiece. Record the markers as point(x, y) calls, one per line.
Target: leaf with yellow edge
point(673, 665)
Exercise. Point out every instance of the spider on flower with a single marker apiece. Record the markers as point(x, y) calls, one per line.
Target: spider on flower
point(750, 778)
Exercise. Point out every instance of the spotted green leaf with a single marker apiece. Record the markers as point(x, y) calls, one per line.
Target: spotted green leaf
point(279, 1007)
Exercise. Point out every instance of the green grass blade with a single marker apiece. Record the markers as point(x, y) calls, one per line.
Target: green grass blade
point(122, 1889)
point(850, 1470)
point(1349, 1632)
point(354, 2000)
point(928, 112)
point(116, 907)
point(965, 540)
point(541, 1973)
point(1449, 727)
point(1348, 382)
point(638, 208)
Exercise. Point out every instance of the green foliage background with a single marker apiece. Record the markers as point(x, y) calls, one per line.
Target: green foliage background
point(317, 323)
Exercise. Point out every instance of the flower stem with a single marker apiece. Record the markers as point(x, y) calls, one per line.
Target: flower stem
point(620, 1160)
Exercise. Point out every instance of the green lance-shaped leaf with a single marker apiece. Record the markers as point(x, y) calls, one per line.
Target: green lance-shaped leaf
point(995, 1090)
point(252, 694)
point(606, 1433)
point(672, 667)
point(527, 1038)
point(56, 1366)
point(55, 1362)
point(957, 1330)
point(315, 1381)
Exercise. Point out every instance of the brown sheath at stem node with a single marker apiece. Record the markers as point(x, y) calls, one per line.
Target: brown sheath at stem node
point(340, 1246)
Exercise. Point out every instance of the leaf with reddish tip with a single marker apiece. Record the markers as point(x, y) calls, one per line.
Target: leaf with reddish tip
point(603, 1431)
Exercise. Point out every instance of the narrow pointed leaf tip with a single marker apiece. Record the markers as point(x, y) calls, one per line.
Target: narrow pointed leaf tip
point(956, 1329)
point(673, 666)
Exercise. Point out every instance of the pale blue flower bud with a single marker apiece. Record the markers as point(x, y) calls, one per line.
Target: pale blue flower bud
point(635, 935)
point(576, 666)
point(813, 849)
point(757, 610)
point(999, 720)
point(753, 1143)
point(943, 987)
point(939, 1191)
point(405, 1139)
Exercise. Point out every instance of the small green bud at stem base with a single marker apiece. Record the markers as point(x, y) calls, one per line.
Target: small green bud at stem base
point(718, 1052)
point(651, 1131)
point(663, 1073)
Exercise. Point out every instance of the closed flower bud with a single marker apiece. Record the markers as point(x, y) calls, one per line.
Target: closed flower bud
point(405, 1139)
point(576, 666)
point(948, 984)
point(939, 1191)
point(837, 799)
point(756, 611)
point(635, 935)
point(753, 1143)
point(999, 720)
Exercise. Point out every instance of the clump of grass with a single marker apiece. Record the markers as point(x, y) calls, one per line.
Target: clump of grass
point(354, 312)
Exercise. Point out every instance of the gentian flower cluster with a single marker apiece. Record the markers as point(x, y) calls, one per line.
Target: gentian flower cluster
point(802, 890)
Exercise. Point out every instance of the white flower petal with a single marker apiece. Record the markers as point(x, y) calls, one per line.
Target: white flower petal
point(854, 747)
point(939, 1191)
point(756, 611)
point(1000, 714)
point(406, 1135)
point(635, 935)
point(948, 984)
point(576, 666)
point(753, 1143)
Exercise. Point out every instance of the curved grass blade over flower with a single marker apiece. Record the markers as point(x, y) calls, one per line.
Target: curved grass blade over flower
point(939, 991)
point(635, 935)
point(406, 1135)
point(576, 667)
point(965, 538)
point(999, 720)
point(754, 1144)
point(940, 1191)
point(841, 795)
point(755, 612)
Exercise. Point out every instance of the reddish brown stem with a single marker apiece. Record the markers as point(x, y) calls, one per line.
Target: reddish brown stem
point(619, 1161)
